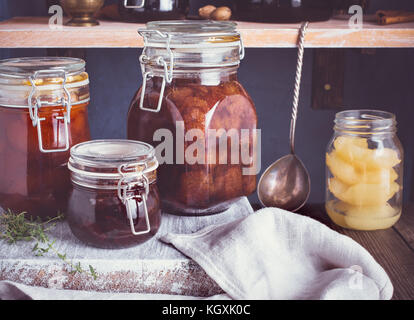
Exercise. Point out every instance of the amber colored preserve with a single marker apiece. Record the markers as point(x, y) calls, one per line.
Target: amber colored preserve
point(33, 173)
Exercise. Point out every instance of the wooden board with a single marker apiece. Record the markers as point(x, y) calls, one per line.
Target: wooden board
point(152, 267)
point(328, 78)
point(25, 32)
point(405, 227)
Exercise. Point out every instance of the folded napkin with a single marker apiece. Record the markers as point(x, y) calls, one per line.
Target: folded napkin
point(276, 254)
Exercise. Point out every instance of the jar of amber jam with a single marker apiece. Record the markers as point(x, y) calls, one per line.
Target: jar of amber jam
point(114, 202)
point(43, 112)
point(202, 120)
point(364, 162)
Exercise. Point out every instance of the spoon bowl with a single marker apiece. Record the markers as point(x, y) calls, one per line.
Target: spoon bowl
point(285, 184)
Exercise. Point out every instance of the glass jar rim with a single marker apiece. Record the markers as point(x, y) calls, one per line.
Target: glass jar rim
point(190, 34)
point(365, 121)
point(112, 159)
point(51, 79)
point(190, 31)
point(27, 66)
point(193, 27)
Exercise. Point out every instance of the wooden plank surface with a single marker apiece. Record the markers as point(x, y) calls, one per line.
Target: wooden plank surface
point(405, 226)
point(152, 267)
point(328, 78)
point(158, 268)
point(24, 32)
point(389, 247)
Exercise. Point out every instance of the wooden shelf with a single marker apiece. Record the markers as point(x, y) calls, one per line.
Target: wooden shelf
point(34, 32)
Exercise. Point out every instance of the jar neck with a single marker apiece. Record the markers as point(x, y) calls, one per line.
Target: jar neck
point(15, 92)
point(106, 182)
point(101, 186)
point(366, 123)
point(192, 57)
point(207, 77)
point(107, 178)
point(207, 63)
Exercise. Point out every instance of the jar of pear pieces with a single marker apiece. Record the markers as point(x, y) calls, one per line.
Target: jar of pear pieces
point(364, 171)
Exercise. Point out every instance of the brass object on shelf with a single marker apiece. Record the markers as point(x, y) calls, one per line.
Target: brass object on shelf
point(82, 12)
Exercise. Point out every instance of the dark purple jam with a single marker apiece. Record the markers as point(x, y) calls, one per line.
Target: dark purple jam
point(99, 218)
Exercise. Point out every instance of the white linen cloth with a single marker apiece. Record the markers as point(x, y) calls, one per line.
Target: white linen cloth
point(276, 254)
point(270, 254)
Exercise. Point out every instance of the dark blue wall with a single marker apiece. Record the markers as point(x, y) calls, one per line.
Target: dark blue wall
point(384, 80)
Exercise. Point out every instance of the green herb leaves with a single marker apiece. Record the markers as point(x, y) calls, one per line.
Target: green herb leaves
point(16, 227)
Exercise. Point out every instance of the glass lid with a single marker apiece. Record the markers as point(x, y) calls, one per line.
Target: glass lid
point(104, 163)
point(192, 27)
point(26, 67)
point(190, 32)
point(112, 152)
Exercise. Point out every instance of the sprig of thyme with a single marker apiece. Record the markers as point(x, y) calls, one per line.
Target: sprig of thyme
point(17, 227)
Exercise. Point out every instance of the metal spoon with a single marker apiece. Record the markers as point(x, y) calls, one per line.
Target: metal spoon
point(286, 183)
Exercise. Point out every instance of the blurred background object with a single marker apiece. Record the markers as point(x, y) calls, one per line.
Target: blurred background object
point(385, 17)
point(82, 12)
point(342, 6)
point(148, 10)
point(284, 11)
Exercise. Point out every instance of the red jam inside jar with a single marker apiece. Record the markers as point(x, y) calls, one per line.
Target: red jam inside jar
point(43, 112)
point(114, 202)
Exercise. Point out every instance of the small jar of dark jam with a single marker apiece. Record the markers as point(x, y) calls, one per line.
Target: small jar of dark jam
point(114, 201)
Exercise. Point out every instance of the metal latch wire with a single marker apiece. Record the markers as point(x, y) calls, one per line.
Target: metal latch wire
point(34, 110)
point(124, 186)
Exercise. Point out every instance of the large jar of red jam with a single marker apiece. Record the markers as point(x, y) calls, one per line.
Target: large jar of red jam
point(200, 118)
point(114, 202)
point(43, 112)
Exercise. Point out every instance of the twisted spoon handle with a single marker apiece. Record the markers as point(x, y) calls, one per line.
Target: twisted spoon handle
point(298, 78)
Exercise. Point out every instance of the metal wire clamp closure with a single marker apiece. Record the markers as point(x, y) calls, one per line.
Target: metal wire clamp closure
point(34, 110)
point(127, 195)
point(168, 71)
point(242, 51)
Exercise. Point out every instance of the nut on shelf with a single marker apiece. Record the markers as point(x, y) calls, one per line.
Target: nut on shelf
point(213, 13)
